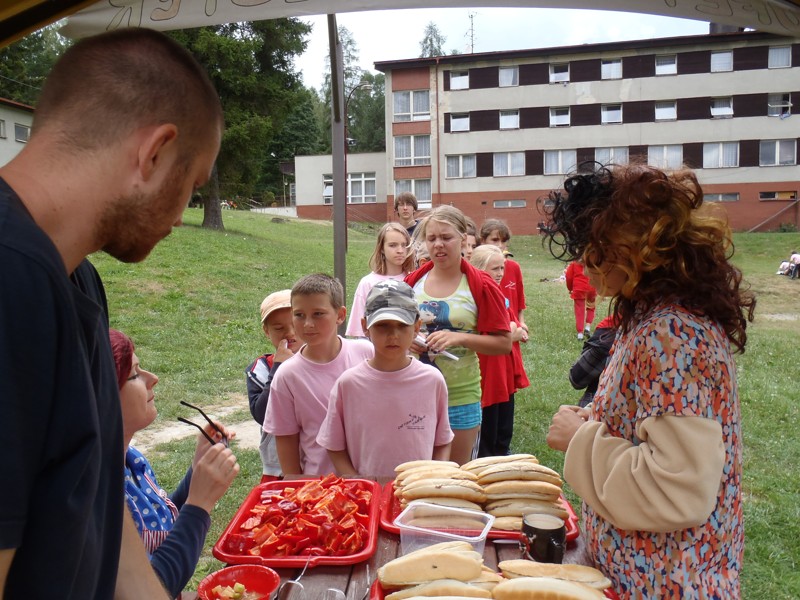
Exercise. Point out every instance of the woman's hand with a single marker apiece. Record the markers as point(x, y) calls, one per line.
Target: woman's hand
point(565, 423)
point(212, 476)
point(202, 443)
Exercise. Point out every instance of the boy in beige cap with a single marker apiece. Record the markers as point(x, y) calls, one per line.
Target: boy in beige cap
point(276, 321)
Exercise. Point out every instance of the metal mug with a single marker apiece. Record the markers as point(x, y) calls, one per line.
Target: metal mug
point(543, 538)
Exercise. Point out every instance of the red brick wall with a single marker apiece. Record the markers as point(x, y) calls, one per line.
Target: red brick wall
point(374, 213)
point(749, 211)
point(411, 79)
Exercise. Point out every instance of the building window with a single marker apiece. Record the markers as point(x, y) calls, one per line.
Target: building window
point(611, 113)
point(22, 133)
point(459, 122)
point(509, 119)
point(666, 110)
point(722, 108)
point(412, 150)
point(509, 163)
point(559, 116)
point(559, 73)
point(327, 188)
point(729, 197)
point(508, 76)
point(460, 166)
point(773, 153)
point(361, 188)
point(667, 64)
point(617, 155)
point(766, 196)
point(2, 129)
point(459, 80)
point(717, 155)
point(412, 105)
point(559, 162)
point(611, 69)
point(779, 105)
point(722, 61)
point(509, 203)
point(421, 188)
point(665, 157)
point(780, 57)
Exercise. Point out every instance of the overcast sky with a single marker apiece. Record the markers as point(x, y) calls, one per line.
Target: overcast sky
point(396, 34)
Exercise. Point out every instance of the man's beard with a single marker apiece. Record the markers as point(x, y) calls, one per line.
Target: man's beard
point(131, 226)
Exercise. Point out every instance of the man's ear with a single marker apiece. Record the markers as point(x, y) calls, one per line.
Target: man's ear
point(341, 315)
point(156, 146)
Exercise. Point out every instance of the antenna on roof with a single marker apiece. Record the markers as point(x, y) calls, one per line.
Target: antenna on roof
point(471, 32)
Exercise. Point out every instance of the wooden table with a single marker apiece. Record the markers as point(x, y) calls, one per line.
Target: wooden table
point(355, 580)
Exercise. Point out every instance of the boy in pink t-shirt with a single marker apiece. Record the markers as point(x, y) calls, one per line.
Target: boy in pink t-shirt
point(392, 408)
point(300, 390)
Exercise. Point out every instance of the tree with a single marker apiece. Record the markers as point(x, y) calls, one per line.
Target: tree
point(365, 115)
point(432, 41)
point(251, 65)
point(24, 65)
point(353, 75)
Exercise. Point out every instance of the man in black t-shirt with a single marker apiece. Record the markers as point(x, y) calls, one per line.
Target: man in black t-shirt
point(126, 128)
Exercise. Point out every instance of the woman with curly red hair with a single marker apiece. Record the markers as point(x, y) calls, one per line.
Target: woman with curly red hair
point(657, 455)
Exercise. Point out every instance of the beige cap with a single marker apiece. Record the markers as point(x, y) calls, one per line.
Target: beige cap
point(276, 300)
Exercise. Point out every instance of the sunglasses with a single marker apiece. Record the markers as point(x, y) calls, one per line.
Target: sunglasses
point(212, 441)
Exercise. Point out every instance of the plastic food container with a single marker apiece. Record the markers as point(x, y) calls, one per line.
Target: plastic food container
point(257, 580)
point(423, 524)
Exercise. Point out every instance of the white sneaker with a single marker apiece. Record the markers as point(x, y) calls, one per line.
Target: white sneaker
point(580, 336)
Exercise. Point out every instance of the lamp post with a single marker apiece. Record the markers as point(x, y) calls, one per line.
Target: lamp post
point(366, 86)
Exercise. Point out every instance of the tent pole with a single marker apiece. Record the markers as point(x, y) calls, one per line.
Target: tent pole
point(337, 151)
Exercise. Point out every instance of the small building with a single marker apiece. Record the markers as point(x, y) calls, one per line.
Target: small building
point(15, 128)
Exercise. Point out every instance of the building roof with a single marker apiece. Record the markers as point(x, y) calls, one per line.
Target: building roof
point(627, 45)
point(17, 105)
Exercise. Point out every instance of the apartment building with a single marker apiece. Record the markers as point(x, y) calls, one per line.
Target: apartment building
point(492, 133)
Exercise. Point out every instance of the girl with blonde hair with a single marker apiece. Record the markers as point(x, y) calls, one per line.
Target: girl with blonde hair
point(463, 312)
point(391, 259)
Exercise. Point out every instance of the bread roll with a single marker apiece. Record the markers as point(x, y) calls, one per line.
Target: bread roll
point(508, 523)
point(448, 488)
point(429, 565)
point(519, 507)
point(441, 587)
point(446, 473)
point(423, 463)
point(522, 488)
point(451, 502)
point(519, 471)
point(544, 588)
point(577, 573)
point(479, 464)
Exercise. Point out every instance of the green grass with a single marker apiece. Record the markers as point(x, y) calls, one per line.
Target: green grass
point(192, 309)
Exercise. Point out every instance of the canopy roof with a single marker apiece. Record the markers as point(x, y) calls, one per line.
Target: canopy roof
point(19, 17)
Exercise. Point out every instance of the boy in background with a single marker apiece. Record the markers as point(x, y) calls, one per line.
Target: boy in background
point(405, 205)
point(392, 408)
point(300, 389)
point(276, 321)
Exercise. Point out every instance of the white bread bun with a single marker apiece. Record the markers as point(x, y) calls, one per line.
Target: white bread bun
point(521, 488)
point(519, 471)
point(430, 565)
point(544, 588)
point(423, 463)
point(479, 464)
point(520, 507)
point(454, 546)
point(448, 488)
point(441, 587)
point(578, 573)
point(507, 523)
point(446, 473)
point(451, 502)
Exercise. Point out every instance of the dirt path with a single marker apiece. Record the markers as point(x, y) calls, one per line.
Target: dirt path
point(248, 433)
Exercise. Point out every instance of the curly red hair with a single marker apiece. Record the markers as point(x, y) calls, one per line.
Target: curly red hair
point(654, 226)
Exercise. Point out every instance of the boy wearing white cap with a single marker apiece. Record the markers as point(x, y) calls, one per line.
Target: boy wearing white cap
point(392, 408)
point(276, 321)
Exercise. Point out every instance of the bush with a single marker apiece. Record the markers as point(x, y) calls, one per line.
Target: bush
point(787, 228)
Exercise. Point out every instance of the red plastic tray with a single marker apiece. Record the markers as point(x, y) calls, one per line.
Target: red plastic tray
point(376, 592)
point(254, 497)
point(390, 508)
